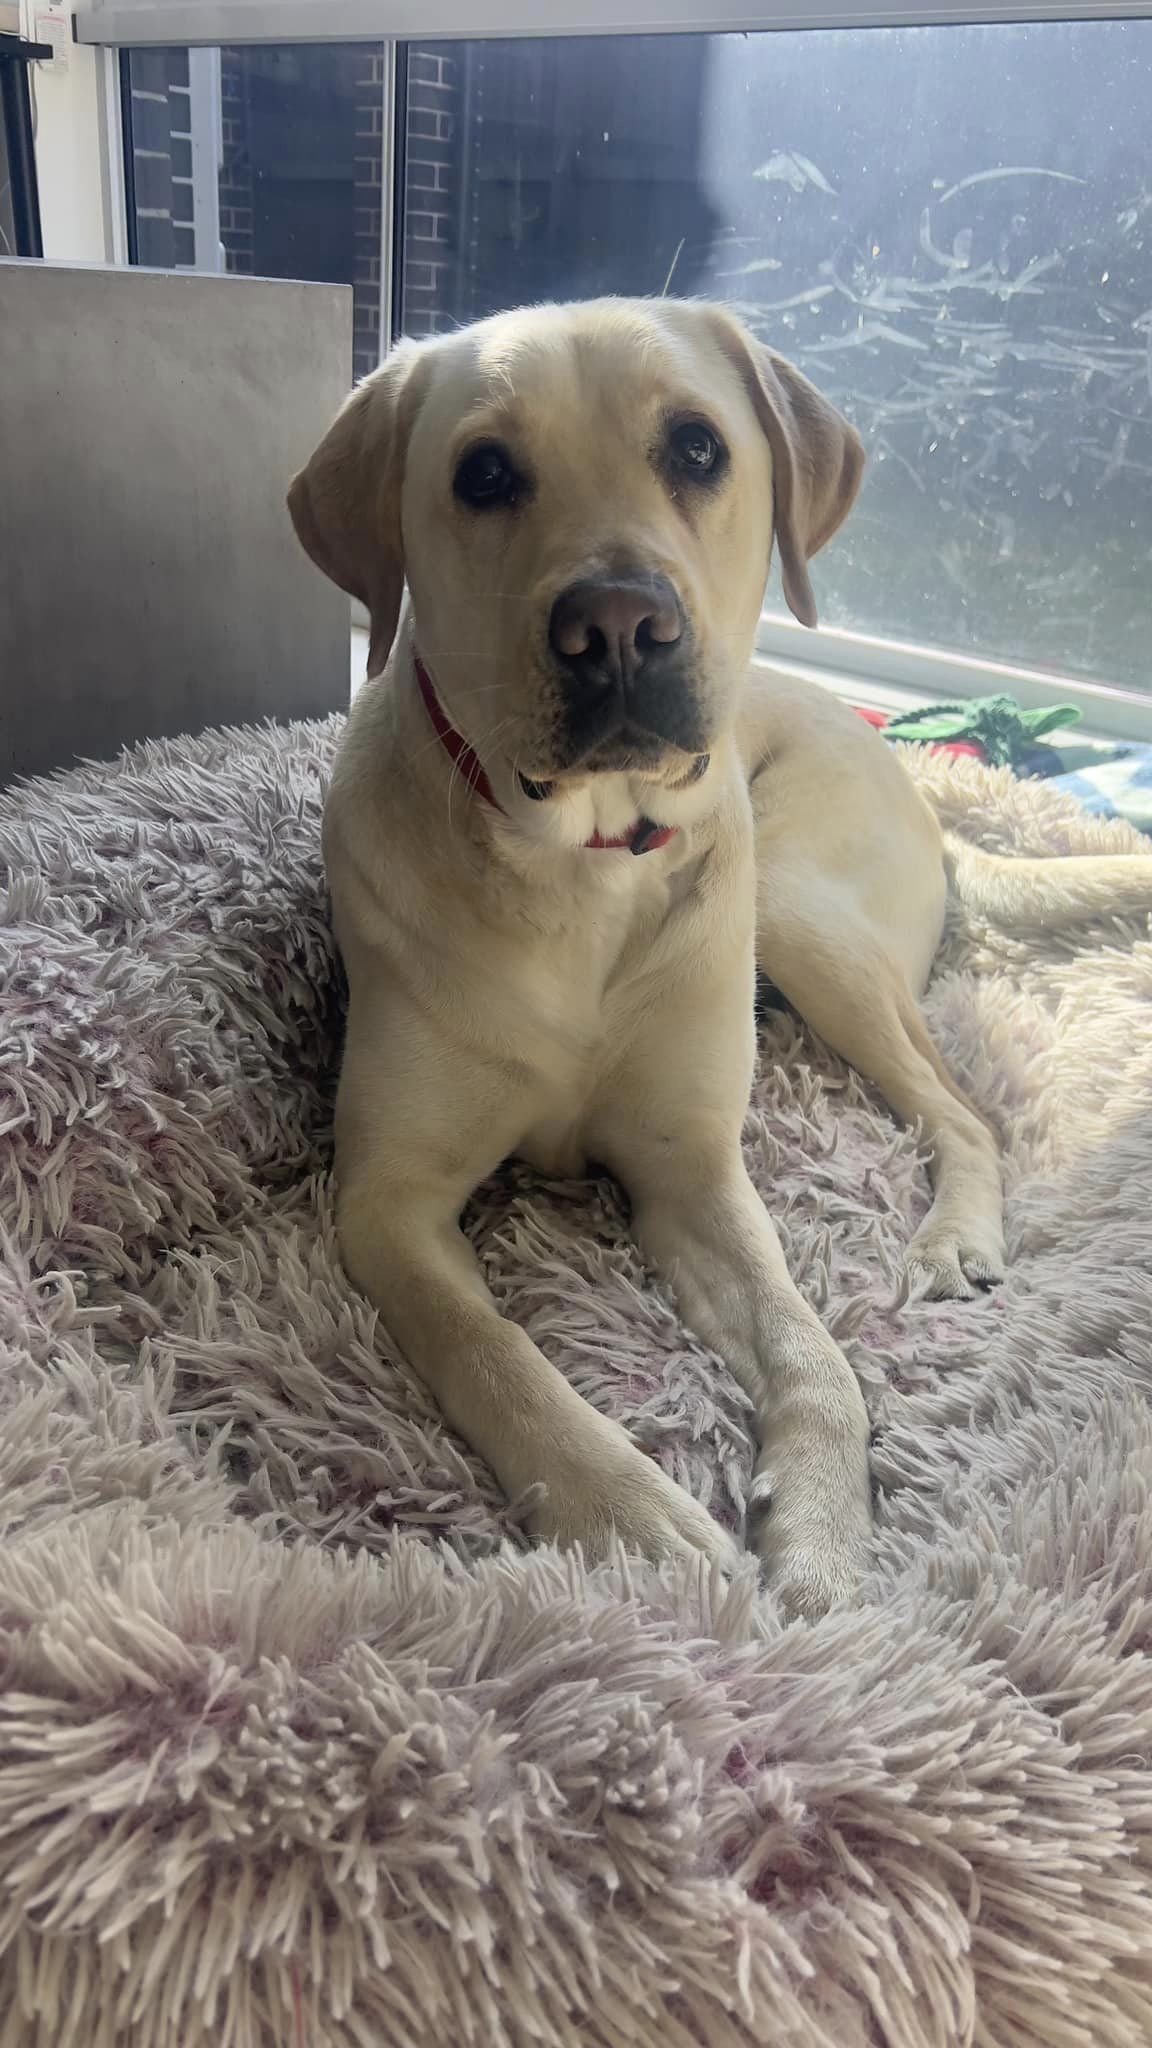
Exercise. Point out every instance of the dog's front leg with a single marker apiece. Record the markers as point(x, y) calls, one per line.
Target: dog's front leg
point(669, 1126)
point(401, 1245)
point(809, 1511)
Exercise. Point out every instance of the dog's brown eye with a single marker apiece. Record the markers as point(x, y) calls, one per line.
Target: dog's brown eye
point(486, 476)
point(695, 449)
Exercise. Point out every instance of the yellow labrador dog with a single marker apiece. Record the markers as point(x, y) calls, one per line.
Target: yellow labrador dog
point(563, 831)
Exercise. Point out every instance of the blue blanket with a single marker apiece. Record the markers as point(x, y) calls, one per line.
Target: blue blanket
point(1118, 785)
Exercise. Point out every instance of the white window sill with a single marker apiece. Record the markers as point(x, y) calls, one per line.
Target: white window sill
point(889, 675)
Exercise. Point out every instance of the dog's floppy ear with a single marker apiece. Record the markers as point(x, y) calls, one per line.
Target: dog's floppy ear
point(817, 458)
point(345, 502)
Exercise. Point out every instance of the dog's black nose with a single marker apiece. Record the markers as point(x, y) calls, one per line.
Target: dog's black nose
point(606, 631)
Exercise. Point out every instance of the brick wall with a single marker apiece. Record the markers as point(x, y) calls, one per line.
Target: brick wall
point(162, 158)
point(236, 165)
point(236, 187)
point(367, 199)
point(162, 163)
point(431, 192)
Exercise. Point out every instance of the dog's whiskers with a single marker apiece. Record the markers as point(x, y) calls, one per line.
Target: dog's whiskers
point(429, 746)
point(457, 773)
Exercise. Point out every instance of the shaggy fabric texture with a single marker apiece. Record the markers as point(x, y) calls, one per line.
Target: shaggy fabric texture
point(301, 1747)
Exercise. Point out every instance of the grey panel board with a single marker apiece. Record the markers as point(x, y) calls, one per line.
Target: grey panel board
point(150, 581)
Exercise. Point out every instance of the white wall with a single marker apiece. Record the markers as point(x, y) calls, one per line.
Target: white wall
point(74, 205)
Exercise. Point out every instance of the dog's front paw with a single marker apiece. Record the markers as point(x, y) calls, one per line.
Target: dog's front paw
point(810, 1508)
point(948, 1262)
point(623, 1497)
point(812, 1561)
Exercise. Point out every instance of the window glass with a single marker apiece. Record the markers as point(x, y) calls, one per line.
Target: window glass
point(267, 160)
point(948, 229)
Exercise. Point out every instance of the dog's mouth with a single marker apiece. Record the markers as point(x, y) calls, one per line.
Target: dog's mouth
point(632, 749)
point(659, 736)
point(619, 760)
point(647, 717)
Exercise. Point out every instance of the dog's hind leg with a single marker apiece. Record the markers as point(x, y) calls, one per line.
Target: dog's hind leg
point(837, 972)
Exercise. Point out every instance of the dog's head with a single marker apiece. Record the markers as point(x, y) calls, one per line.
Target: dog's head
point(582, 500)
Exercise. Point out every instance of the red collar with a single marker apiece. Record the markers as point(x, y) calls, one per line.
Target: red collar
point(644, 837)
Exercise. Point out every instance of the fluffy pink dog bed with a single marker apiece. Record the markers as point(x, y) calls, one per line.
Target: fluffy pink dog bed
point(301, 1748)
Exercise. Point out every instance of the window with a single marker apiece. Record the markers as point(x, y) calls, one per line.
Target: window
point(948, 228)
point(264, 160)
point(19, 197)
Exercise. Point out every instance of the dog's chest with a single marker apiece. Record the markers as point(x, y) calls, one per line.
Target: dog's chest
point(557, 1108)
point(585, 995)
point(555, 1148)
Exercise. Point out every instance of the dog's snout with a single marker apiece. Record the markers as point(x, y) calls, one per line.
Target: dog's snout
point(625, 654)
point(605, 630)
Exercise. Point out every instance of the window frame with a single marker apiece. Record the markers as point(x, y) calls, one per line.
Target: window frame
point(332, 21)
point(862, 666)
